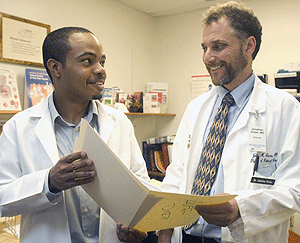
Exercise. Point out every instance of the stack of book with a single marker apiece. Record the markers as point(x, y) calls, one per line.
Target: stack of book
point(157, 153)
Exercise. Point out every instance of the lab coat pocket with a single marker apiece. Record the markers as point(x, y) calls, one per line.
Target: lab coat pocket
point(261, 182)
point(264, 171)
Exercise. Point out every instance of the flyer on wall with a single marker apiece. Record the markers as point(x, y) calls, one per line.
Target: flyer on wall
point(9, 94)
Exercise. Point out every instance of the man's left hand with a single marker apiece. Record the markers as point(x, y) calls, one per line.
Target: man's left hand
point(221, 214)
point(129, 235)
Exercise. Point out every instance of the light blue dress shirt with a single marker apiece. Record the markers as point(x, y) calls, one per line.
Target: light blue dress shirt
point(241, 95)
point(82, 212)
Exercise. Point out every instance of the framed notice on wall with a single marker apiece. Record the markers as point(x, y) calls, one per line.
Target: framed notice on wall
point(22, 40)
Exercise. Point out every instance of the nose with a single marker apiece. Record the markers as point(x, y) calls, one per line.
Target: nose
point(208, 57)
point(99, 69)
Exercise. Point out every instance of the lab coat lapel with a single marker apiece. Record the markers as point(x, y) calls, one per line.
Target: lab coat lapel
point(106, 123)
point(198, 132)
point(44, 130)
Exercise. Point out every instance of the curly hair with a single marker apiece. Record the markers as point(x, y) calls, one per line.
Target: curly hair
point(242, 20)
point(56, 45)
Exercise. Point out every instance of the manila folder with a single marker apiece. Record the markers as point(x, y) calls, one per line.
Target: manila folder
point(128, 201)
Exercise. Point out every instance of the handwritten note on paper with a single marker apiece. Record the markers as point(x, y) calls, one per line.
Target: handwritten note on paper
point(129, 201)
point(173, 210)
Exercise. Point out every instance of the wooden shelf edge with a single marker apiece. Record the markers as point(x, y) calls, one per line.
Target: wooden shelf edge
point(8, 112)
point(149, 114)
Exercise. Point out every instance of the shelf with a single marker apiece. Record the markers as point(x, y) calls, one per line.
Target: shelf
point(8, 112)
point(149, 114)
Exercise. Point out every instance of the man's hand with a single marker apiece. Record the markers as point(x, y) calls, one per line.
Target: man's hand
point(72, 170)
point(165, 236)
point(129, 235)
point(222, 214)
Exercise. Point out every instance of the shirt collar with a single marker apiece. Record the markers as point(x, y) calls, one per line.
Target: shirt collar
point(92, 114)
point(241, 92)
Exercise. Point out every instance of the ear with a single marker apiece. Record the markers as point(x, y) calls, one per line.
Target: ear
point(54, 68)
point(250, 45)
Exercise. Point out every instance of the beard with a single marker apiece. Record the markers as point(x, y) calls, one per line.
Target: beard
point(232, 70)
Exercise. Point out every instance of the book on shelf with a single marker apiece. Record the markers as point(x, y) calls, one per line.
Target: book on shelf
point(38, 86)
point(170, 151)
point(150, 103)
point(9, 94)
point(165, 152)
point(153, 158)
point(162, 139)
point(146, 155)
point(159, 161)
point(157, 156)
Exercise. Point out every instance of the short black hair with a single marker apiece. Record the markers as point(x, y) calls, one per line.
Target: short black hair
point(242, 20)
point(56, 44)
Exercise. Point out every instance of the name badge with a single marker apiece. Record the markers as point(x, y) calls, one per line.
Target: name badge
point(257, 137)
point(261, 180)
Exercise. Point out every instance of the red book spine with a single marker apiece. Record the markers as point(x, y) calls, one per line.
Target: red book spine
point(164, 147)
point(152, 160)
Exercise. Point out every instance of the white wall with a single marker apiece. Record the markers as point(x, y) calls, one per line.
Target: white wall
point(142, 49)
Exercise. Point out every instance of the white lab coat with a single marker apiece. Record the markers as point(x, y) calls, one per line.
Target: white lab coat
point(265, 210)
point(27, 152)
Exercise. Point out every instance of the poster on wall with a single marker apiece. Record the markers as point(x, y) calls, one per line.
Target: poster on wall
point(38, 85)
point(200, 84)
point(22, 40)
point(9, 94)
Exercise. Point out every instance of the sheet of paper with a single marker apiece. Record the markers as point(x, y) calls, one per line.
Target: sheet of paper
point(126, 199)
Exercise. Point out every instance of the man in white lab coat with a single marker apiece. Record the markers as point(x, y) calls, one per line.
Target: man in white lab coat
point(40, 176)
point(261, 156)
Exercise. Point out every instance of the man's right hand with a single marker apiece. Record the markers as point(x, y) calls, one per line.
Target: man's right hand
point(72, 170)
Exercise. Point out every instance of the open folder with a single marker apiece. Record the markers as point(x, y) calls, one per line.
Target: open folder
point(129, 201)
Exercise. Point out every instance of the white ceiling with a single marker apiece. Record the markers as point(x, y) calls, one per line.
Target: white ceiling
point(160, 8)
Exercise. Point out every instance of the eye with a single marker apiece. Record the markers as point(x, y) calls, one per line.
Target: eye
point(219, 47)
point(87, 61)
point(102, 63)
point(204, 48)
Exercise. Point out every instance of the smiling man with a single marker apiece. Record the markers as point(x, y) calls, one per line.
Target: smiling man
point(40, 176)
point(241, 137)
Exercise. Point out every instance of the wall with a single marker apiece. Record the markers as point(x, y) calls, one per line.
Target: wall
point(179, 53)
